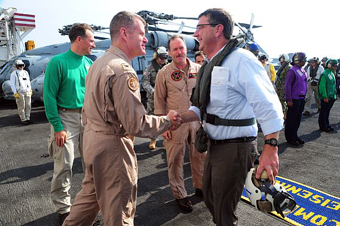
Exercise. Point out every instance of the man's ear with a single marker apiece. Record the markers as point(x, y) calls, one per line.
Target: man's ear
point(219, 30)
point(123, 33)
point(79, 38)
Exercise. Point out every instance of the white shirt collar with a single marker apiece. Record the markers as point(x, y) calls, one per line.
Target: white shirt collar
point(206, 58)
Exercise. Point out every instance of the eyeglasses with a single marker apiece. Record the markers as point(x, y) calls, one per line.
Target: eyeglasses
point(199, 26)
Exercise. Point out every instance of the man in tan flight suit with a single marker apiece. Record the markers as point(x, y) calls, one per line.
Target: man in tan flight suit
point(173, 89)
point(113, 113)
point(149, 79)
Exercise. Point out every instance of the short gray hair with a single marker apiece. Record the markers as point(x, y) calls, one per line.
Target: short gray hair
point(220, 16)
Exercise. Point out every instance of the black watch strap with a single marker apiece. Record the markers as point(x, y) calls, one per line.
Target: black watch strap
point(272, 142)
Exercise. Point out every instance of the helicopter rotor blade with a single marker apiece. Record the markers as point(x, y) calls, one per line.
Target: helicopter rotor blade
point(177, 24)
point(186, 18)
point(241, 28)
point(251, 22)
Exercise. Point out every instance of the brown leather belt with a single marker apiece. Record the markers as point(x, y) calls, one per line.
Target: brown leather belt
point(78, 110)
point(235, 140)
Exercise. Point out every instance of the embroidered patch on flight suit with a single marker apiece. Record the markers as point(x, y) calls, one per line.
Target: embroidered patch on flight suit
point(176, 76)
point(192, 75)
point(126, 67)
point(133, 84)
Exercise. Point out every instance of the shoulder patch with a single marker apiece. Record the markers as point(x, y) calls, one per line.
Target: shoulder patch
point(176, 76)
point(126, 67)
point(133, 84)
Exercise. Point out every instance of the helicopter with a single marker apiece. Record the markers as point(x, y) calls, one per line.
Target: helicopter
point(159, 28)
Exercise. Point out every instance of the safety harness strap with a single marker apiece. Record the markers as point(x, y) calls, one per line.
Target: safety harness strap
point(215, 120)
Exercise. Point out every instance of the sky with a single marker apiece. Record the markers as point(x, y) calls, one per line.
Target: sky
point(287, 26)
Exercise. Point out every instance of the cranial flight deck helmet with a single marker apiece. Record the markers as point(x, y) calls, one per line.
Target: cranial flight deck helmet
point(284, 58)
point(262, 56)
point(314, 59)
point(331, 63)
point(19, 63)
point(299, 57)
point(268, 197)
point(161, 53)
point(254, 48)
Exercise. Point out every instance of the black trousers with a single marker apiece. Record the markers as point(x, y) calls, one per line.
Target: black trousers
point(324, 113)
point(293, 119)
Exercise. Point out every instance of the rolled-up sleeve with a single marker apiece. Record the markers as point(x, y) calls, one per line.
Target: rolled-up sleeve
point(196, 110)
point(261, 96)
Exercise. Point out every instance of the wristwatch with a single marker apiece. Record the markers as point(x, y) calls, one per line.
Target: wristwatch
point(272, 142)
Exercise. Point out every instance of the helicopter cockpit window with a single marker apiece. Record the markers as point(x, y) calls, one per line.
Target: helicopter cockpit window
point(6, 68)
point(2, 66)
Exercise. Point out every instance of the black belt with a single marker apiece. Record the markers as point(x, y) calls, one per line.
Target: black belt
point(302, 95)
point(78, 110)
point(235, 140)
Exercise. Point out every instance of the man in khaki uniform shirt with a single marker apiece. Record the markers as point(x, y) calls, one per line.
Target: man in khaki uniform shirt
point(112, 113)
point(173, 89)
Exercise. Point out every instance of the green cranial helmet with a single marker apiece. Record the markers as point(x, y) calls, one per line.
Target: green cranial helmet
point(331, 63)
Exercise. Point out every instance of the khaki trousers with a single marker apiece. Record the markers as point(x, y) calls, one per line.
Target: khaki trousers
point(175, 150)
point(63, 159)
point(310, 91)
point(24, 106)
point(224, 177)
point(110, 182)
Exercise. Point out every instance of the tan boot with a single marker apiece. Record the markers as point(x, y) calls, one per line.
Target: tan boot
point(164, 142)
point(152, 144)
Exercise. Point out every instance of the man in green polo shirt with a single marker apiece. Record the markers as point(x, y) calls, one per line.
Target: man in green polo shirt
point(64, 88)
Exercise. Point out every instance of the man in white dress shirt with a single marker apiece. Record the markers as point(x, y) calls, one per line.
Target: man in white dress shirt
point(232, 90)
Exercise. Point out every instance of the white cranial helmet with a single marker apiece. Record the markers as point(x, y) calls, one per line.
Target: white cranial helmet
point(268, 197)
point(161, 50)
point(19, 63)
point(284, 57)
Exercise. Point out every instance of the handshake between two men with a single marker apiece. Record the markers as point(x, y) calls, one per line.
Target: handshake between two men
point(175, 120)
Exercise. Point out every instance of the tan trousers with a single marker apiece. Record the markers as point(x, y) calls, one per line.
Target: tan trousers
point(225, 173)
point(312, 90)
point(110, 182)
point(24, 106)
point(63, 159)
point(175, 150)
